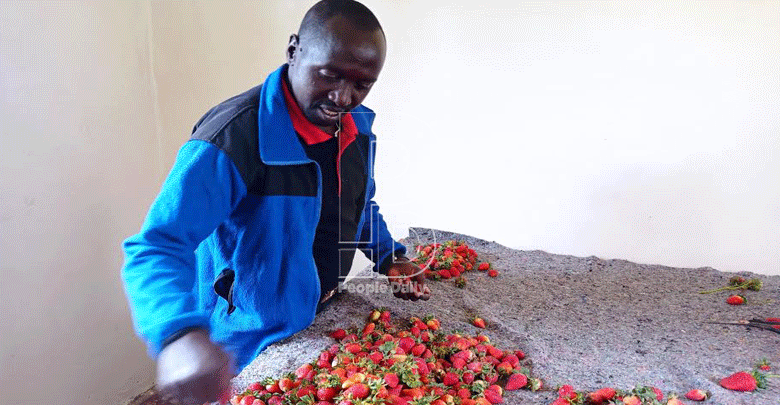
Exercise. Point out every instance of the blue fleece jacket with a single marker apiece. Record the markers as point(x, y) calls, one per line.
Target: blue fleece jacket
point(227, 243)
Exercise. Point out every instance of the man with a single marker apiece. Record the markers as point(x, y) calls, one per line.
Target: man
point(263, 210)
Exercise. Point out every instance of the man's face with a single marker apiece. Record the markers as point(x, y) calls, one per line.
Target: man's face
point(333, 74)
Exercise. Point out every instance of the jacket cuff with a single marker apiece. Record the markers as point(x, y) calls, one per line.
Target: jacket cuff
point(385, 264)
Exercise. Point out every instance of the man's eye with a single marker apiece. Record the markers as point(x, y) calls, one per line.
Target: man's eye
point(329, 75)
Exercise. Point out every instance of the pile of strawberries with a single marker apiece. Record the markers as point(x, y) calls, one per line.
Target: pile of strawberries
point(450, 259)
point(415, 365)
point(639, 395)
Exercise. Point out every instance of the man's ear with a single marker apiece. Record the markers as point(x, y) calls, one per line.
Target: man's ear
point(292, 48)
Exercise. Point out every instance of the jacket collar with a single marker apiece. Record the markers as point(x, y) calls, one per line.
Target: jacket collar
point(277, 141)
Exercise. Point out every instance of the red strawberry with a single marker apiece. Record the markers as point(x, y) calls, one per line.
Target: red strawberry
point(247, 400)
point(450, 379)
point(357, 390)
point(275, 400)
point(353, 348)
point(567, 392)
point(468, 377)
point(604, 394)
point(303, 371)
point(659, 395)
point(736, 300)
point(504, 368)
point(740, 381)
point(464, 393)
point(286, 384)
point(338, 334)
point(326, 393)
point(493, 273)
point(516, 381)
point(561, 401)
point(406, 344)
point(483, 266)
point(764, 364)
point(478, 322)
point(696, 395)
point(256, 386)
point(493, 397)
point(391, 379)
point(445, 274)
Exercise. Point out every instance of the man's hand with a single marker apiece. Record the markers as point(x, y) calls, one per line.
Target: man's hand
point(407, 280)
point(192, 370)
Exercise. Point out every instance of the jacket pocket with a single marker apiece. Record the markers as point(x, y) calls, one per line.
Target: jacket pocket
point(223, 286)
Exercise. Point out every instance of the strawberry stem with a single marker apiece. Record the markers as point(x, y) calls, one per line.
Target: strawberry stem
point(719, 289)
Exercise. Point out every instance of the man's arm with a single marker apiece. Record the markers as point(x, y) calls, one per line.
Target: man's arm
point(200, 192)
point(160, 274)
point(407, 280)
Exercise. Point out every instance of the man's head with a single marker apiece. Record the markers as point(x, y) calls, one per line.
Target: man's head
point(334, 60)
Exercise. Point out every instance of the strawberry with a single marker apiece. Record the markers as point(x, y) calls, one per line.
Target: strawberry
point(493, 273)
point(460, 282)
point(338, 334)
point(326, 393)
point(674, 401)
point(493, 397)
point(258, 401)
point(504, 368)
point(736, 300)
point(632, 400)
point(468, 377)
point(450, 379)
point(567, 392)
point(247, 400)
point(478, 322)
point(483, 266)
point(303, 371)
point(275, 400)
point(286, 384)
point(535, 384)
point(391, 379)
point(659, 395)
point(696, 395)
point(604, 394)
point(740, 381)
point(764, 364)
point(561, 401)
point(516, 381)
point(357, 391)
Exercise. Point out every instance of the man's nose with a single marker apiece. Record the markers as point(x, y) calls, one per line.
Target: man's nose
point(341, 96)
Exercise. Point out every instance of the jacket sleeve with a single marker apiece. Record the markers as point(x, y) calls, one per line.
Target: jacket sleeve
point(159, 274)
point(377, 241)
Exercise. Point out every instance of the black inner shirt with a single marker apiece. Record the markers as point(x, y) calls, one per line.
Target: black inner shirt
point(335, 238)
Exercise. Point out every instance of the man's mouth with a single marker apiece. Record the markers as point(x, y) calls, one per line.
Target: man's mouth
point(331, 113)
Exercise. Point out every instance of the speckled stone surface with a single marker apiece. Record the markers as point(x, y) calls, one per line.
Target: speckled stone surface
point(581, 320)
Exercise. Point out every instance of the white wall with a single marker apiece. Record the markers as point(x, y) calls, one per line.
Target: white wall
point(645, 131)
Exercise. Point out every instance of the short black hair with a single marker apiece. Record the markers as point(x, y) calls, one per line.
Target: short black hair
point(320, 13)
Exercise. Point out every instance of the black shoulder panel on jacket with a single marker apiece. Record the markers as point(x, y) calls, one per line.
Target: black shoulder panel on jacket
point(232, 127)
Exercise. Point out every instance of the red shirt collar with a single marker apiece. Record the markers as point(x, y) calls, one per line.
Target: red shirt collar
point(311, 133)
